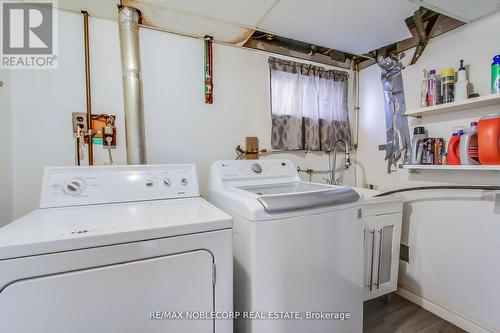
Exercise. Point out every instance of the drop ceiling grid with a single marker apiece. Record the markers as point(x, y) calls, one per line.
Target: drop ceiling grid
point(246, 13)
point(464, 10)
point(353, 26)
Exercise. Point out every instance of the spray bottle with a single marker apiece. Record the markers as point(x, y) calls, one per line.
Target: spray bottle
point(461, 86)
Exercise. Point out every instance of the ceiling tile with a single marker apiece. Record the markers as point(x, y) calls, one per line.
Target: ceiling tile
point(463, 10)
point(353, 26)
point(183, 22)
point(105, 9)
point(244, 12)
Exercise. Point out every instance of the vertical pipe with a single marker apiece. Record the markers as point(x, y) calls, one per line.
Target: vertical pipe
point(355, 102)
point(78, 157)
point(128, 19)
point(355, 98)
point(87, 86)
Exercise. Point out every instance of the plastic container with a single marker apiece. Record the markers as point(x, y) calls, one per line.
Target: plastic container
point(495, 75)
point(432, 91)
point(443, 158)
point(417, 145)
point(453, 155)
point(462, 85)
point(424, 89)
point(428, 151)
point(488, 139)
point(468, 146)
point(447, 85)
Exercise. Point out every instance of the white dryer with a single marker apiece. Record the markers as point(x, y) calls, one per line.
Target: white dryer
point(117, 249)
point(298, 248)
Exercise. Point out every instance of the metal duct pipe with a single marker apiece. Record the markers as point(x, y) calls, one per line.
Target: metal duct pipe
point(128, 19)
point(88, 93)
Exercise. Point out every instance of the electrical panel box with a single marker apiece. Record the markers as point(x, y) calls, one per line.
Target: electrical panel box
point(103, 128)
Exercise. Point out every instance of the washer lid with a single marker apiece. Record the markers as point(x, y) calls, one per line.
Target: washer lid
point(276, 203)
point(273, 201)
point(285, 197)
point(70, 228)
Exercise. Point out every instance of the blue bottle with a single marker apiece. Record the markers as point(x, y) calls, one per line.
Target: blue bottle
point(495, 75)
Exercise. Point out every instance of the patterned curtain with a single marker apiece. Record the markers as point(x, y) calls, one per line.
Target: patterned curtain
point(308, 106)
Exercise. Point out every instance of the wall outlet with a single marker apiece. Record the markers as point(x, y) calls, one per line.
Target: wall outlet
point(80, 121)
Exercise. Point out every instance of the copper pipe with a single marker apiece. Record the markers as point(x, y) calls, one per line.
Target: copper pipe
point(87, 86)
point(78, 158)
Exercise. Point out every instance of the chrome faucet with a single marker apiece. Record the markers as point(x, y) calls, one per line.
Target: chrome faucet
point(333, 165)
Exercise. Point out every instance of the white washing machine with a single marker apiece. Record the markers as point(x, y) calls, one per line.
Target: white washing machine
point(117, 249)
point(298, 248)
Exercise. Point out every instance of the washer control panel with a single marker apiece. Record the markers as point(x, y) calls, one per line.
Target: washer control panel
point(253, 169)
point(74, 186)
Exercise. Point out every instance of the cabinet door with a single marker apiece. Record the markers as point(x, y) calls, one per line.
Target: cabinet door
point(385, 233)
point(388, 235)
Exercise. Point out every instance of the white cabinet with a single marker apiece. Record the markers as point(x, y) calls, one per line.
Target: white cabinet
point(383, 220)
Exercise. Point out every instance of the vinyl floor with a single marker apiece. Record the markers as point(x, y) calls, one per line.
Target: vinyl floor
point(402, 316)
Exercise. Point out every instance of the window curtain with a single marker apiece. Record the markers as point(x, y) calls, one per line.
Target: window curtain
point(309, 106)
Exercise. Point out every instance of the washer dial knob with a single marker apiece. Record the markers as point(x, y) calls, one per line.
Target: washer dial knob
point(256, 168)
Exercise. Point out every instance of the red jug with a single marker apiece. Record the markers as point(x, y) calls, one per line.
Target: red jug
point(488, 139)
point(453, 157)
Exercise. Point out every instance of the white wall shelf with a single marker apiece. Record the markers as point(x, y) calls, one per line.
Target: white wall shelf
point(453, 167)
point(469, 104)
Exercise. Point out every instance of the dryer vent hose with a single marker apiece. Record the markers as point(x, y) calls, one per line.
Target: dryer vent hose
point(442, 187)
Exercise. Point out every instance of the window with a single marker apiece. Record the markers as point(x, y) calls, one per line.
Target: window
point(309, 106)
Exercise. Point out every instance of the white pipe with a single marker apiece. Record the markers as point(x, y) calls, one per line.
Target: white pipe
point(128, 19)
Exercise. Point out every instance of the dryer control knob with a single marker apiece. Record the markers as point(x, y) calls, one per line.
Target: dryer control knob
point(167, 182)
point(74, 187)
point(256, 168)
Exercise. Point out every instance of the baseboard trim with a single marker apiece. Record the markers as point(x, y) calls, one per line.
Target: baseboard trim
point(443, 311)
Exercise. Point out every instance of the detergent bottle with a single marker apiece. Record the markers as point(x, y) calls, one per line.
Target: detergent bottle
point(488, 139)
point(453, 156)
point(417, 145)
point(468, 145)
